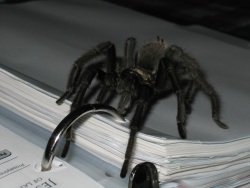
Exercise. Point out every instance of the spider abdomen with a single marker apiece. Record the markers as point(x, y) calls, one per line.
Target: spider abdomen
point(150, 54)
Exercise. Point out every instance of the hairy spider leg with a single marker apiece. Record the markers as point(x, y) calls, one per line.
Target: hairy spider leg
point(88, 77)
point(208, 89)
point(167, 71)
point(108, 79)
point(190, 93)
point(103, 48)
point(181, 110)
point(129, 53)
point(85, 81)
point(135, 125)
point(76, 79)
point(199, 81)
point(128, 61)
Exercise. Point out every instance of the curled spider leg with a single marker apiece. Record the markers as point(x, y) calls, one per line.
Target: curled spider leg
point(104, 48)
point(144, 175)
point(214, 99)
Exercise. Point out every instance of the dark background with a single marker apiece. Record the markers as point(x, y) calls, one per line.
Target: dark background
point(227, 16)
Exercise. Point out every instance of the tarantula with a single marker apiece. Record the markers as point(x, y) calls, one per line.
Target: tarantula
point(139, 77)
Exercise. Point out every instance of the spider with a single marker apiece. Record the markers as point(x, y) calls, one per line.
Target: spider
point(139, 77)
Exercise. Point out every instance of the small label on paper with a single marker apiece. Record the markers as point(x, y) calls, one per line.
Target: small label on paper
point(20, 167)
point(4, 153)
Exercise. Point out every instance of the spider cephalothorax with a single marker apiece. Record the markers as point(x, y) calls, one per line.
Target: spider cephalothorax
point(139, 77)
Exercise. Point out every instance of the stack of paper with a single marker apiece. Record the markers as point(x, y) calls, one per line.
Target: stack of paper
point(189, 163)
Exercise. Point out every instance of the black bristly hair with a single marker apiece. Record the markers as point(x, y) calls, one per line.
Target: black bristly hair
point(157, 67)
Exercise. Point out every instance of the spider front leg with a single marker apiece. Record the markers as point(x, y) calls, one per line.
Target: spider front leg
point(135, 125)
point(105, 48)
point(80, 80)
point(108, 85)
point(85, 81)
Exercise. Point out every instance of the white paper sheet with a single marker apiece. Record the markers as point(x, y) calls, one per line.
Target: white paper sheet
point(107, 139)
point(20, 167)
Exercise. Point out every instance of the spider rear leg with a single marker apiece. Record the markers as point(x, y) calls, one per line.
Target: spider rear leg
point(167, 71)
point(214, 99)
point(104, 48)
